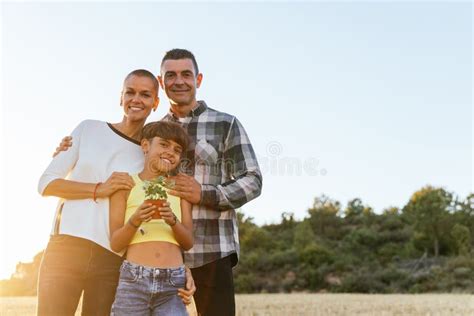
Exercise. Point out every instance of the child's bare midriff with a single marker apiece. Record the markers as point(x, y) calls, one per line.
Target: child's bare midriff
point(158, 254)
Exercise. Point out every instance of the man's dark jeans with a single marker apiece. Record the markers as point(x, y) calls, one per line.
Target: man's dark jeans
point(215, 288)
point(70, 266)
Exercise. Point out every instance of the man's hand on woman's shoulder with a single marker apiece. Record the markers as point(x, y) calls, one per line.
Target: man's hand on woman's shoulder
point(66, 142)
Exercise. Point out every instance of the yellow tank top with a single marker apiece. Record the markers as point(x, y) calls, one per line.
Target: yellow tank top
point(156, 229)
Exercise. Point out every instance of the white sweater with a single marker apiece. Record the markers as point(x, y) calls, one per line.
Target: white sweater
point(97, 151)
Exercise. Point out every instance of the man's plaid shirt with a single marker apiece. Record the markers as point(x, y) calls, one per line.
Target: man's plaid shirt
point(222, 159)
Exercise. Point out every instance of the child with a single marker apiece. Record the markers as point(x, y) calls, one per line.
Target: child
point(153, 270)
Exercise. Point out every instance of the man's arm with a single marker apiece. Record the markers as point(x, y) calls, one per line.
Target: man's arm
point(242, 167)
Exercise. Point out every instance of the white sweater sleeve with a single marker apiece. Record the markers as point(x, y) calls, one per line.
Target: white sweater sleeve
point(64, 162)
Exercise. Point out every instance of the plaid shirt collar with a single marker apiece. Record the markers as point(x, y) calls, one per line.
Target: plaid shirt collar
point(198, 110)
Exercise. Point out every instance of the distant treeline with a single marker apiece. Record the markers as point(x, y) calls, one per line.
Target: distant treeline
point(425, 246)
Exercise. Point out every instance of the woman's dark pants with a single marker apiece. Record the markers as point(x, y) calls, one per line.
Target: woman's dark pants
point(71, 266)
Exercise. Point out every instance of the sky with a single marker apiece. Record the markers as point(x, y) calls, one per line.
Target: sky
point(347, 99)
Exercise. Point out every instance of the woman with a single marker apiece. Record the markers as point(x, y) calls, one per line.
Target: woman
point(78, 256)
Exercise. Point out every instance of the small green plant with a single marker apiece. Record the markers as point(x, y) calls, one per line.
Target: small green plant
point(155, 189)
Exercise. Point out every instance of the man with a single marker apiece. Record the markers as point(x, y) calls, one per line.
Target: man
point(221, 174)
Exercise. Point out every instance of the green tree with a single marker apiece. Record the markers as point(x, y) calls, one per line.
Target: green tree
point(324, 217)
point(356, 213)
point(465, 213)
point(304, 235)
point(462, 238)
point(429, 209)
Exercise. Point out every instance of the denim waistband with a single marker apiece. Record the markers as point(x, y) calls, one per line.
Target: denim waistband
point(144, 271)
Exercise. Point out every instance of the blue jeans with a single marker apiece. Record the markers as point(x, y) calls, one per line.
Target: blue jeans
point(149, 291)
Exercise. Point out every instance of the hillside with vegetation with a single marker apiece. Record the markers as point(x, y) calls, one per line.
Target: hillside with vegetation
point(424, 246)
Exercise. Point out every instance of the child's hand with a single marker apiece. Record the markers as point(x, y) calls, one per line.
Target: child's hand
point(143, 214)
point(167, 214)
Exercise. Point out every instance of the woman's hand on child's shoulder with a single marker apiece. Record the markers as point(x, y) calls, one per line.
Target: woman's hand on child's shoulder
point(117, 181)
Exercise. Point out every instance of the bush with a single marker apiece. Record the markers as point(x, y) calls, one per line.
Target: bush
point(315, 255)
point(362, 281)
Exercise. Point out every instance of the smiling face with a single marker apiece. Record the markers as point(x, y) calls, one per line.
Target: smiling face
point(180, 81)
point(161, 155)
point(139, 97)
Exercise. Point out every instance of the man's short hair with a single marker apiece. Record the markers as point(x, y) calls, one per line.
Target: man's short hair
point(179, 53)
point(166, 130)
point(144, 73)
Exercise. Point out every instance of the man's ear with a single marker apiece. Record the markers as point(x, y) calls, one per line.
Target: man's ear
point(121, 93)
point(198, 80)
point(160, 80)
point(155, 105)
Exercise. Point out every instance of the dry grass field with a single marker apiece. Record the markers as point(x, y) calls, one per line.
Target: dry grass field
point(315, 304)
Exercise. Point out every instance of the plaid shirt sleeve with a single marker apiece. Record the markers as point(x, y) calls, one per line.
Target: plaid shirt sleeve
point(242, 169)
